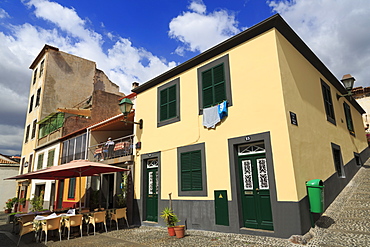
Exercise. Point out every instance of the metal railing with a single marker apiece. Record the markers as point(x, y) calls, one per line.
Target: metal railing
point(123, 146)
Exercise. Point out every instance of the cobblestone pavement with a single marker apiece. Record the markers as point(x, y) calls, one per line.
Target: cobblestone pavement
point(345, 223)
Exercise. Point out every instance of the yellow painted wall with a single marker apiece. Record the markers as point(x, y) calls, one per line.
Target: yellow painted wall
point(311, 139)
point(255, 77)
point(77, 191)
point(269, 78)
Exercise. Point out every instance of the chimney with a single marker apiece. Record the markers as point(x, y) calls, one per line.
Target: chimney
point(134, 85)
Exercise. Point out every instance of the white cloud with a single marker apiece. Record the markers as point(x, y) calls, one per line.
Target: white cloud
point(3, 14)
point(337, 32)
point(20, 44)
point(199, 30)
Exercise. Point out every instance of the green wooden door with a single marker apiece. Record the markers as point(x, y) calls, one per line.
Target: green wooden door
point(256, 205)
point(152, 191)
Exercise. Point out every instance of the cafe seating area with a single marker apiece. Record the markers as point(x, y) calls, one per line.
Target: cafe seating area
point(42, 224)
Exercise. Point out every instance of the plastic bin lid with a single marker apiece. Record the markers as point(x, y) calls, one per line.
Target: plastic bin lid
point(315, 183)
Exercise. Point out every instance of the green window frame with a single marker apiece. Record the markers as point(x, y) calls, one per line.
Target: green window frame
point(347, 113)
point(51, 124)
point(168, 101)
point(192, 177)
point(328, 103)
point(214, 83)
point(72, 188)
point(51, 154)
point(40, 161)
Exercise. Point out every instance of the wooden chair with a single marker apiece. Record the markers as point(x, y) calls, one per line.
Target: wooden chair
point(25, 226)
point(119, 214)
point(75, 220)
point(97, 217)
point(51, 224)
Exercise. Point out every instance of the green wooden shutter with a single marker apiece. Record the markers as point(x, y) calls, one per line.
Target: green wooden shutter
point(51, 157)
point(191, 171)
point(40, 161)
point(72, 188)
point(172, 112)
point(196, 170)
point(213, 86)
point(347, 112)
point(185, 171)
point(168, 103)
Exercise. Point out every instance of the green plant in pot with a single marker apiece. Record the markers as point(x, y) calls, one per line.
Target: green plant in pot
point(170, 218)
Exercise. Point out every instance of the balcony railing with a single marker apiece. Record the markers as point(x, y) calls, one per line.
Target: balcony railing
point(122, 147)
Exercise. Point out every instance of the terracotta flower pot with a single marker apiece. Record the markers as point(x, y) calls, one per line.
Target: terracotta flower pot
point(8, 211)
point(180, 231)
point(171, 231)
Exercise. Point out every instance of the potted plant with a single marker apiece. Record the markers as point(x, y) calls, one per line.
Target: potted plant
point(9, 204)
point(170, 218)
point(180, 231)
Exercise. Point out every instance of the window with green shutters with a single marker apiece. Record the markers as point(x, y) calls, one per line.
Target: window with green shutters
point(328, 103)
point(40, 160)
point(213, 86)
point(71, 188)
point(191, 171)
point(51, 124)
point(168, 103)
point(192, 177)
point(347, 112)
point(51, 157)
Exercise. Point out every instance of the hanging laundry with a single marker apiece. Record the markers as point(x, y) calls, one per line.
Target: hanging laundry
point(211, 117)
point(222, 109)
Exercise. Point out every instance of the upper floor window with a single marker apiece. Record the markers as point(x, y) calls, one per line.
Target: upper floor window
point(192, 170)
point(27, 134)
point(74, 149)
point(42, 68)
point(40, 161)
point(347, 112)
point(37, 103)
point(328, 103)
point(51, 124)
point(34, 126)
point(34, 76)
point(51, 154)
point(214, 83)
point(168, 103)
point(31, 104)
point(30, 163)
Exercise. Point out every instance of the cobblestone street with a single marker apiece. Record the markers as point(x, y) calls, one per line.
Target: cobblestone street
point(345, 223)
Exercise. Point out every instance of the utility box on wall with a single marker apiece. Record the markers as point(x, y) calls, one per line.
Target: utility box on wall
point(221, 208)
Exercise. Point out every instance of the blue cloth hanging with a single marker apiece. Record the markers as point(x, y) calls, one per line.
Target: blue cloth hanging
point(222, 109)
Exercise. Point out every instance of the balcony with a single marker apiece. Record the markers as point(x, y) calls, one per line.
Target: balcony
point(120, 152)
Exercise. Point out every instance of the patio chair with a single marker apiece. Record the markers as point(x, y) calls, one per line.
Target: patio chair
point(119, 214)
point(75, 220)
point(49, 225)
point(97, 217)
point(25, 226)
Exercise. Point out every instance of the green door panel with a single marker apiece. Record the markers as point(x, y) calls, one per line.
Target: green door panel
point(255, 193)
point(152, 195)
point(221, 208)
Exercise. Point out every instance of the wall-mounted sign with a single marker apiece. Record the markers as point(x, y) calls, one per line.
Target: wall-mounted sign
point(293, 118)
point(248, 138)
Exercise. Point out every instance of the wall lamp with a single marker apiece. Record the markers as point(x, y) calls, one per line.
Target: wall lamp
point(126, 106)
point(348, 82)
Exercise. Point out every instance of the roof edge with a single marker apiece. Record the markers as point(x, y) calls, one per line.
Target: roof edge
point(41, 54)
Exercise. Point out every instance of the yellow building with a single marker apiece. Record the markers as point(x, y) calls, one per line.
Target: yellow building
point(285, 126)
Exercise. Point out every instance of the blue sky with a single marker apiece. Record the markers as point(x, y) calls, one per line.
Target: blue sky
point(137, 40)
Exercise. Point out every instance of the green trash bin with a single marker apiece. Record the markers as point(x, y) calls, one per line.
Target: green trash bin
point(315, 189)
